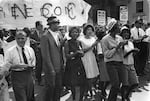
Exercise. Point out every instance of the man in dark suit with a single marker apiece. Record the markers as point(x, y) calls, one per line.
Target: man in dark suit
point(51, 49)
point(35, 44)
point(38, 31)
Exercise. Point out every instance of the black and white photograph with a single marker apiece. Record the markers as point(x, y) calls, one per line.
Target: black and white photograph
point(74, 50)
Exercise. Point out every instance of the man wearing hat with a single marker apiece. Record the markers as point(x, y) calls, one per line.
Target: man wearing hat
point(112, 45)
point(52, 60)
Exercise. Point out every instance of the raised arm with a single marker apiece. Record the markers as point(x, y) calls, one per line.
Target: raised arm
point(89, 48)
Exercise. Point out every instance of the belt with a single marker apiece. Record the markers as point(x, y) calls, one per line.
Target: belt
point(22, 69)
point(115, 62)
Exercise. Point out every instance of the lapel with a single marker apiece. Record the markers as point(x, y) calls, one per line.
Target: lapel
point(51, 38)
point(35, 36)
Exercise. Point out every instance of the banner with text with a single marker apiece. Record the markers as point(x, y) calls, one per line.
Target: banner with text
point(24, 13)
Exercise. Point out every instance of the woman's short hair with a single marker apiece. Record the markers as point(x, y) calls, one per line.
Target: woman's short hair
point(86, 27)
point(27, 31)
point(1, 35)
point(100, 33)
point(73, 28)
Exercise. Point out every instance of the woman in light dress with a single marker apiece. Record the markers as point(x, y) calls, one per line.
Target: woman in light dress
point(88, 42)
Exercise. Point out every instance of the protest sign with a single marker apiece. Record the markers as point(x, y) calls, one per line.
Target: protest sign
point(123, 14)
point(101, 17)
point(24, 13)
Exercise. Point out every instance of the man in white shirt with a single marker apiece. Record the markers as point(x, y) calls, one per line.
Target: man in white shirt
point(148, 33)
point(138, 35)
point(148, 38)
point(20, 59)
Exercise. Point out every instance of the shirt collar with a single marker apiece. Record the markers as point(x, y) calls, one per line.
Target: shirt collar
point(136, 28)
point(53, 33)
point(20, 48)
point(37, 31)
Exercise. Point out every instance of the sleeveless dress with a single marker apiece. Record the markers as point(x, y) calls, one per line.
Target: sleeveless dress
point(74, 72)
point(89, 60)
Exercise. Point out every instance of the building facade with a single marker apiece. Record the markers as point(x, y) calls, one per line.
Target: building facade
point(139, 9)
point(136, 9)
point(111, 7)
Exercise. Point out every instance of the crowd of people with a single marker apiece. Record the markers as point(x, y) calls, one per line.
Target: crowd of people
point(88, 57)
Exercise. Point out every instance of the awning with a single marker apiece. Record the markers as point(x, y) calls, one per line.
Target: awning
point(122, 2)
point(93, 2)
point(118, 2)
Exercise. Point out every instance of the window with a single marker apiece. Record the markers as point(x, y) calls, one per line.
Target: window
point(139, 7)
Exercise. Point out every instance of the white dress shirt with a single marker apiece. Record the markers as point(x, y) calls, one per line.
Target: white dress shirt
point(55, 36)
point(14, 56)
point(134, 33)
point(148, 34)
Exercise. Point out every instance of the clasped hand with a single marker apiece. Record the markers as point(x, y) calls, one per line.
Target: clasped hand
point(121, 44)
point(80, 53)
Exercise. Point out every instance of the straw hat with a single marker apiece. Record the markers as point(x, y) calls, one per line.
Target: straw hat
point(111, 24)
point(123, 28)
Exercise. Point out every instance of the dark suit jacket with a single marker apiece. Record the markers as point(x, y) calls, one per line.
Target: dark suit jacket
point(51, 54)
point(35, 36)
point(35, 44)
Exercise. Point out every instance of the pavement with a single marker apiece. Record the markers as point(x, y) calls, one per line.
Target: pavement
point(140, 94)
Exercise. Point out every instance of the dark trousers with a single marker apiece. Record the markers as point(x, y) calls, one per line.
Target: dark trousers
point(22, 82)
point(117, 75)
point(52, 93)
point(141, 57)
point(38, 70)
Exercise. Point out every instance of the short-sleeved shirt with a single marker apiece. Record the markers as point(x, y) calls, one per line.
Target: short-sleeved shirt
point(135, 31)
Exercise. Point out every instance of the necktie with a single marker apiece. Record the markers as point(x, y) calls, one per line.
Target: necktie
point(24, 56)
point(138, 33)
point(58, 41)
